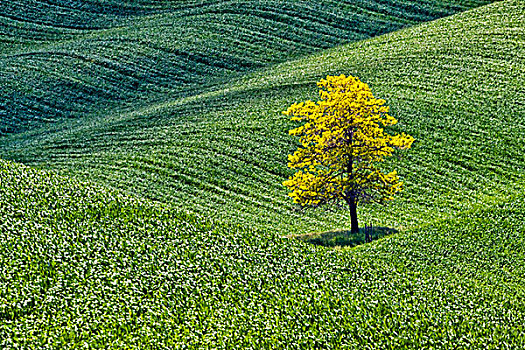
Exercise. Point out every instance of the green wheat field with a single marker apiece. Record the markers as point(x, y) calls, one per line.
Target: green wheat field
point(142, 155)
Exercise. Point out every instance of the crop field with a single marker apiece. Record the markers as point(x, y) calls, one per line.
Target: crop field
point(223, 153)
point(84, 266)
point(142, 154)
point(101, 56)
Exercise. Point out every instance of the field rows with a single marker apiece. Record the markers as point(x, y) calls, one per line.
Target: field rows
point(223, 154)
point(94, 57)
point(181, 243)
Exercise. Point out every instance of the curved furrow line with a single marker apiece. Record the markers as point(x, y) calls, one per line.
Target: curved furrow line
point(244, 171)
point(111, 79)
point(211, 187)
point(399, 10)
point(141, 51)
point(84, 14)
point(143, 69)
point(193, 159)
point(11, 24)
point(265, 35)
point(39, 79)
point(246, 150)
point(132, 7)
point(239, 41)
point(195, 144)
point(297, 20)
point(50, 16)
point(327, 13)
point(213, 200)
point(298, 13)
point(228, 165)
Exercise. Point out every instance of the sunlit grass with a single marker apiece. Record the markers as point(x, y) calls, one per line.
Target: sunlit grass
point(183, 241)
point(223, 154)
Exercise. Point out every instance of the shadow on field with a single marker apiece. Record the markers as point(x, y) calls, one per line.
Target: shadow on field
point(344, 238)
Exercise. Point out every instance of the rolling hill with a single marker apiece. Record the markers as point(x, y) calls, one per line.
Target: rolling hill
point(66, 59)
point(159, 219)
point(84, 266)
point(222, 153)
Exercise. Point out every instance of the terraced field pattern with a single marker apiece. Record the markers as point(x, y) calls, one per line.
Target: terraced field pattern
point(142, 155)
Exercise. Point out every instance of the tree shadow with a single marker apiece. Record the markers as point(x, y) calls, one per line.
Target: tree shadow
point(344, 238)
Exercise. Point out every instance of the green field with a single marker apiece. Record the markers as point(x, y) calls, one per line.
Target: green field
point(84, 266)
point(99, 57)
point(222, 153)
point(170, 111)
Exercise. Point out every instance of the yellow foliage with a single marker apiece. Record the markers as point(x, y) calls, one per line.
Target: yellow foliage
point(341, 140)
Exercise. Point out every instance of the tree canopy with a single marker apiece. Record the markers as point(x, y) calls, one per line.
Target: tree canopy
point(342, 139)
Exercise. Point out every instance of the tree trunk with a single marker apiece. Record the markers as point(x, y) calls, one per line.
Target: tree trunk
point(353, 215)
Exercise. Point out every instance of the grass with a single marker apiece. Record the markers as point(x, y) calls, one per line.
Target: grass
point(84, 266)
point(99, 57)
point(182, 243)
point(223, 153)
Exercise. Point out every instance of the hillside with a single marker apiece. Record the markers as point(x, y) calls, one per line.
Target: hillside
point(83, 266)
point(456, 84)
point(159, 220)
point(75, 59)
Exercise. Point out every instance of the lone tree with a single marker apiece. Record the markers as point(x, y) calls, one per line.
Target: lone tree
point(342, 140)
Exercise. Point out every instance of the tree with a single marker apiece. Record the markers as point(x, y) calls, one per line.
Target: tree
point(342, 139)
